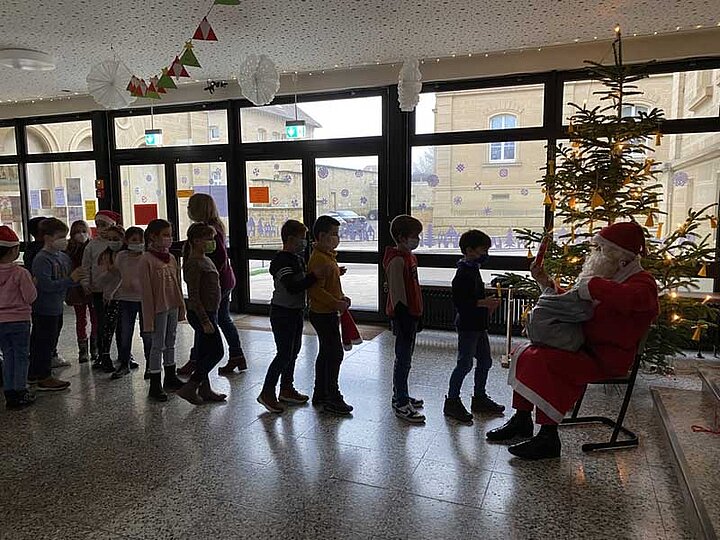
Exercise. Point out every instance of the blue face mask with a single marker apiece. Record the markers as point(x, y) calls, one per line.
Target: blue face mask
point(483, 259)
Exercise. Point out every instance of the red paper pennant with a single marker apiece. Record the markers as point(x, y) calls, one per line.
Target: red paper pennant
point(177, 69)
point(205, 32)
point(154, 82)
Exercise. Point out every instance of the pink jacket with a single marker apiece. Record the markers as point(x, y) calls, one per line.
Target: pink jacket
point(17, 293)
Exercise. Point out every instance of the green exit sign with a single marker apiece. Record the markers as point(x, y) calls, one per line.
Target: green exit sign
point(153, 137)
point(295, 129)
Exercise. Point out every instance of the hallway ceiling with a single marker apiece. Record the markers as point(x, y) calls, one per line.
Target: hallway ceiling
point(309, 34)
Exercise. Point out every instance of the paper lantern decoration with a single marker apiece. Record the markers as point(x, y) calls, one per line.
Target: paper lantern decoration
point(177, 69)
point(409, 85)
point(259, 79)
point(108, 84)
point(205, 32)
point(188, 57)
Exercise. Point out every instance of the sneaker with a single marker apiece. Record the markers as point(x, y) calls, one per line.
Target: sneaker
point(318, 400)
point(455, 409)
point(58, 362)
point(108, 366)
point(483, 404)
point(291, 395)
point(270, 402)
point(408, 413)
point(20, 400)
point(97, 363)
point(416, 403)
point(187, 369)
point(32, 381)
point(337, 405)
point(133, 364)
point(51, 384)
point(120, 372)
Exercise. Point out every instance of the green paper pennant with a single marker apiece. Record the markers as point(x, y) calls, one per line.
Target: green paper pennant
point(166, 81)
point(227, 2)
point(188, 57)
point(152, 95)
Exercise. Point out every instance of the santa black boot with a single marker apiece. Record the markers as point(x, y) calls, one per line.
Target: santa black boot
point(520, 426)
point(544, 445)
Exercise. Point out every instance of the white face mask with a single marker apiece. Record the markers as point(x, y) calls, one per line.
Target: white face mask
point(137, 248)
point(413, 243)
point(80, 237)
point(115, 245)
point(60, 244)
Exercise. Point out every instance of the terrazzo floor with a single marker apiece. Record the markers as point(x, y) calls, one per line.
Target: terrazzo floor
point(101, 461)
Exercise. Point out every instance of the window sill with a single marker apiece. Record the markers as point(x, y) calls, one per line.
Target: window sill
point(493, 164)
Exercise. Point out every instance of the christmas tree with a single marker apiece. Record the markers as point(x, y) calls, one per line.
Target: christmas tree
point(606, 174)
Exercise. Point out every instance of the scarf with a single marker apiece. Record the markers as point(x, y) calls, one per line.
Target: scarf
point(163, 256)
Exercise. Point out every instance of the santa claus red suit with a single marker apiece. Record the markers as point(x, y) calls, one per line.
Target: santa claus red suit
point(550, 380)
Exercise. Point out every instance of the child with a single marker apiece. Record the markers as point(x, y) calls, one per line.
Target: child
point(326, 302)
point(108, 280)
point(129, 296)
point(78, 299)
point(202, 209)
point(473, 308)
point(204, 297)
point(17, 293)
point(52, 270)
point(31, 250)
point(104, 219)
point(286, 316)
point(162, 306)
point(404, 308)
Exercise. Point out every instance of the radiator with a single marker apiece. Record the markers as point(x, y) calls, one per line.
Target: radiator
point(439, 312)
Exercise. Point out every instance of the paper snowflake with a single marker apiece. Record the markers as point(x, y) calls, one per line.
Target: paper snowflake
point(363, 200)
point(433, 180)
point(460, 167)
point(524, 192)
point(344, 193)
point(358, 174)
point(457, 201)
point(287, 178)
point(680, 179)
point(295, 203)
point(256, 172)
point(503, 172)
point(422, 206)
point(487, 211)
point(478, 186)
point(323, 172)
point(323, 201)
point(276, 166)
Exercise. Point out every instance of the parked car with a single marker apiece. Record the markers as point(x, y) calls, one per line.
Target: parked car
point(372, 215)
point(350, 217)
point(337, 216)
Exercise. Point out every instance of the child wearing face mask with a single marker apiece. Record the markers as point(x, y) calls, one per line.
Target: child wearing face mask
point(327, 301)
point(78, 299)
point(52, 270)
point(473, 310)
point(104, 219)
point(162, 306)
point(286, 315)
point(108, 280)
point(404, 308)
point(129, 296)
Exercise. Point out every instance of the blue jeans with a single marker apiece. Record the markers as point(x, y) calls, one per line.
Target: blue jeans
point(471, 345)
point(129, 313)
point(15, 347)
point(287, 328)
point(228, 328)
point(405, 329)
point(209, 348)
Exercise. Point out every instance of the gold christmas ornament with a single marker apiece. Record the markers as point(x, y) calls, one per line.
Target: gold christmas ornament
point(658, 138)
point(658, 233)
point(650, 221)
point(627, 180)
point(551, 167)
point(699, 327)
point(529, 254)
point(713, 222)
point(596, 200)
point(548, 200)
point(572, 202)
point(703, 270)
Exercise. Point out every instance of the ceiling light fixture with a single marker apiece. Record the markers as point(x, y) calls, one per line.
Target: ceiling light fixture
point(26, 60)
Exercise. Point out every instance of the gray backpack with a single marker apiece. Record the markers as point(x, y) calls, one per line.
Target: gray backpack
point(556, 321)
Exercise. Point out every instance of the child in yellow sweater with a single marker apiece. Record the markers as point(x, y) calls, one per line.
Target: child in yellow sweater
point(327, 301)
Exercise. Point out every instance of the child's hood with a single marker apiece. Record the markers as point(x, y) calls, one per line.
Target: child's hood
point(390, 253)
point(9, 272)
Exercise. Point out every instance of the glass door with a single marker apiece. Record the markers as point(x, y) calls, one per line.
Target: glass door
point(143, 194)
point(209, 178)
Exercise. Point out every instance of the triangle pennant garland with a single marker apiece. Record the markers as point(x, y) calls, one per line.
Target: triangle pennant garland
point(155, 82)
point(188, 57)
point(151, 92)
point(205, 32)
point(166, 81)
point(177, 70)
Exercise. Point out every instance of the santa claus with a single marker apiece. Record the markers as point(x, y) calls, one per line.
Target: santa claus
point(550, 380)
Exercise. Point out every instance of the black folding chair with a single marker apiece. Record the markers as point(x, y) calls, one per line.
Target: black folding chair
point(617, 425)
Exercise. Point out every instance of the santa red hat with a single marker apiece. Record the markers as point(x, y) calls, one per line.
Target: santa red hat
point(108, 216)
point(628, 237)
point(8, 238)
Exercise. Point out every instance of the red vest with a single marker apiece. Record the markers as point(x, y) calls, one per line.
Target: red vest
point(410, 278)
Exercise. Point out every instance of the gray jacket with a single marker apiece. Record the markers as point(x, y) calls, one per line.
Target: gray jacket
point(556, 320)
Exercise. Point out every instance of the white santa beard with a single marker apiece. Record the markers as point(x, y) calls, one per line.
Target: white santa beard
point(599, 265)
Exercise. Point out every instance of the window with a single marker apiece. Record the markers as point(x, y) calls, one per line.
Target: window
point(10, 205)
point(347, 189)
point(360, 284)
point(453, 188)
point(274, 195)
point(7, 141)
point(503, 151)
point(472, 110)
point(208, 178)
point(59, 137)
point(143, 194)
point(178, 129)
point(65, 190)
point(335, 119)
point(632, 110)
point(261, 282)
point(689, 94)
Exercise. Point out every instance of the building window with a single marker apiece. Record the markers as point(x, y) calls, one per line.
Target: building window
point(276, 136)
point(503, 151)
point(261, 134)
point(214, 133)
point(631, 109)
